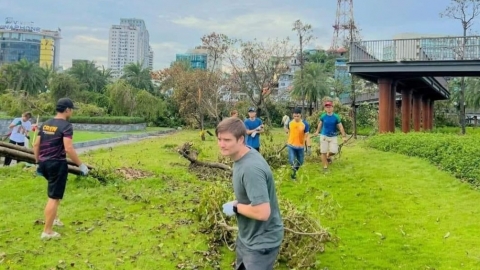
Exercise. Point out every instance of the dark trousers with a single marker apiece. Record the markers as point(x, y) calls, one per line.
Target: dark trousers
point(8, 160)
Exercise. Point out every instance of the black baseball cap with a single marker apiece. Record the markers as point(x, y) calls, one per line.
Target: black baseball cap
point(65, 103)
point(251, 109)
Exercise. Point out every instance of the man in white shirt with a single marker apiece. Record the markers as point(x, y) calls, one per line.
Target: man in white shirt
point(20, 128)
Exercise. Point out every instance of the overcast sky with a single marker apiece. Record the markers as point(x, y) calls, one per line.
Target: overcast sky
point(176, 25)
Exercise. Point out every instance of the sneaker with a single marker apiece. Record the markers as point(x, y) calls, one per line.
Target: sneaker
point(46, 236)
point(58, 223)
point(329, 160)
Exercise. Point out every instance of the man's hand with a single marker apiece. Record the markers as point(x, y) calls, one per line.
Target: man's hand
point(228, 208)
point(83, 169)
point(19, 123)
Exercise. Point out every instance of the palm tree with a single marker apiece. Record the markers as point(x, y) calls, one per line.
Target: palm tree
point(29, 77)
point(315, 84)
point(138, 77)
point(90, 76)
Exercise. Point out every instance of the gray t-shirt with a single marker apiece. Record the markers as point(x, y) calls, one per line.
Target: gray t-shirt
point(253, 184)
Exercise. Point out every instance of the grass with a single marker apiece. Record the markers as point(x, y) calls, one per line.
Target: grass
point(393, 212)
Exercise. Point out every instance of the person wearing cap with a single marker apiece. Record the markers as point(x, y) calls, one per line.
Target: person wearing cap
point(297, 130)
point(20, 127)
point(53, 143)
point(254, 127)
point(328, 124)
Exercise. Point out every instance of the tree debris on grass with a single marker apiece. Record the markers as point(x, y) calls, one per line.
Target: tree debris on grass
point(304, 237)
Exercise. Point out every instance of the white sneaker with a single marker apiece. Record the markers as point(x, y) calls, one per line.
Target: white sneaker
point(46, 236)
point(58, 223)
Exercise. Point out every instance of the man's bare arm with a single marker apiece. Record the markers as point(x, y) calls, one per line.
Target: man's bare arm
point(36, 148)
point(340, 127)
point(71, 151)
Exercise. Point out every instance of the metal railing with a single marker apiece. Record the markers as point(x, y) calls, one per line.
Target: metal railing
point(416, 49)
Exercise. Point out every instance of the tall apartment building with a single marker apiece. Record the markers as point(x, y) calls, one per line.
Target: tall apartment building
point(200, 58)
point(129, 42)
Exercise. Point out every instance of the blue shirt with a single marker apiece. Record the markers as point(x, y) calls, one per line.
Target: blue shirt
point(251, 125)
point(329, 124)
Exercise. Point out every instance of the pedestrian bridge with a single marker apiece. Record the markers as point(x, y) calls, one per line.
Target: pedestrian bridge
point(416, 68)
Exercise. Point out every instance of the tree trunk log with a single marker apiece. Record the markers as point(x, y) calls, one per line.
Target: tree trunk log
point(30, 151)
point(30, 158)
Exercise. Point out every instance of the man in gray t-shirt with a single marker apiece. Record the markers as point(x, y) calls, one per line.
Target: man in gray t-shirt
point(260, 226)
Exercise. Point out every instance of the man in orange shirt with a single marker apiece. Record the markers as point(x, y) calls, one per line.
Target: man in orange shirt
point(298, 130)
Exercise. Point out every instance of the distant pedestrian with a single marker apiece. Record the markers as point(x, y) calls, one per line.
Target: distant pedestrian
point(328, 124)
point(20, 127)
point(298, 131)
point(254, 128)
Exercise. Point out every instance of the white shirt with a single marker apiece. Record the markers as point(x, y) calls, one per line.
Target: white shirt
point(18, 131)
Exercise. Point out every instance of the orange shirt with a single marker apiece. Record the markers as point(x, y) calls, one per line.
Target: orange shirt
point(297, 133)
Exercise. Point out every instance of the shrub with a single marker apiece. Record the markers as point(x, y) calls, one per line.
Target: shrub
point(455, 154)
point(117, 120)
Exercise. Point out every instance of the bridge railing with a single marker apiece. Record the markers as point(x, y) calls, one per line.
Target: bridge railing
point(416, 49)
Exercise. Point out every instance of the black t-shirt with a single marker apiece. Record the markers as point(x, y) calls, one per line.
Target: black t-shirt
point(52, 133)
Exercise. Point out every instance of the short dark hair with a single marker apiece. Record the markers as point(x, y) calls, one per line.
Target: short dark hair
point(232, 125)
point(297, 111)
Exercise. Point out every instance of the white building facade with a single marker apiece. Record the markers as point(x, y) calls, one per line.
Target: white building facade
point(129, 42)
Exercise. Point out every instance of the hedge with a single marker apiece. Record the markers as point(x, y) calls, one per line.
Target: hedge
point(459, 155)
point(119, 120)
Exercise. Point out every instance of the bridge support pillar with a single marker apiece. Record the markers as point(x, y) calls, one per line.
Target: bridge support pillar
point(406, 109)
point(426, 114)
point(385, 115)
point(416, 112)
point(393, 106)
point(432, 114)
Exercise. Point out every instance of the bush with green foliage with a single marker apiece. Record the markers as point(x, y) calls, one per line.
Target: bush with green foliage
point(455, 154)
point(111, 120)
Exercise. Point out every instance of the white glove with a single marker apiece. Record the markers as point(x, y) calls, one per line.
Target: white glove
point(254, 134)
point(84, 169)
point(228, 208)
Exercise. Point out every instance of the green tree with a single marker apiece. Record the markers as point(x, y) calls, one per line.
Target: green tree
point(138, 77)
point(64, 85)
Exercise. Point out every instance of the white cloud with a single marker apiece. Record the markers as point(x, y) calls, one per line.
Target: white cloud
point(83, 47)
point(248, 26)
point(164, 53)
point(78, 28)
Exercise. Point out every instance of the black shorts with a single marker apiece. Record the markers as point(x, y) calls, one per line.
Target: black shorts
point(56, 173)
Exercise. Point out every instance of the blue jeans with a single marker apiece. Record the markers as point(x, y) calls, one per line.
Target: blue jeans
point(296, 157)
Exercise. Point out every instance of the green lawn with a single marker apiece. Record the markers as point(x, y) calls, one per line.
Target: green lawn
point(394, 212)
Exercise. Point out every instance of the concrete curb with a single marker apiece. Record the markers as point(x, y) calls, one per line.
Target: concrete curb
point(121, 138)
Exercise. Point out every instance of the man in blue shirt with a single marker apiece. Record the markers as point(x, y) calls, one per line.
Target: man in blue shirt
point(328, 124)
point(254, 127)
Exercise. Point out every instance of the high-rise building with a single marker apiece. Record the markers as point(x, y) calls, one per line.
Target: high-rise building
point(129, 42)
point(150, 58)
point(200, 58)
point(23, 40)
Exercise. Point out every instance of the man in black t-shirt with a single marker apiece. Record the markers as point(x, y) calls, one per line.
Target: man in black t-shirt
point(53, 143)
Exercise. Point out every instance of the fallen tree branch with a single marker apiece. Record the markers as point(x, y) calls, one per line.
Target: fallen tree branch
point(30, 151)
point(191, 156)
point(30, 158)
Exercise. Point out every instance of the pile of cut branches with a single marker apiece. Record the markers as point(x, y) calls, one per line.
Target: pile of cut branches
point(304, 237)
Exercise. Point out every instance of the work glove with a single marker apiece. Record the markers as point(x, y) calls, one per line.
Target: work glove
point(19, 123)
point(254, 134)
point(309, 150)
point(28, 137)
point(228, 208)
point(83, 169)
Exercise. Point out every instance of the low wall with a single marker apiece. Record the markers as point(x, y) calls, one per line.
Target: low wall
point(4, 123)
point(109, 128)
